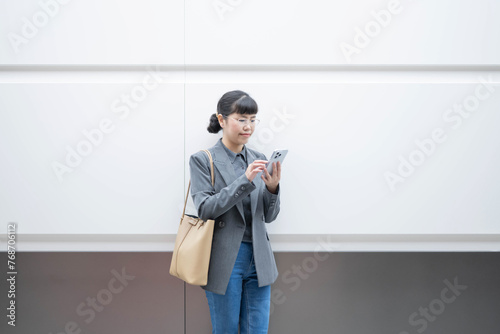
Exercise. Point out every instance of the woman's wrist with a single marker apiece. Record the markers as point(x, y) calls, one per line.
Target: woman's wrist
point(272, 190)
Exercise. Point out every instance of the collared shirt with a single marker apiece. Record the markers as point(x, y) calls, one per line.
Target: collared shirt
point(240, 165)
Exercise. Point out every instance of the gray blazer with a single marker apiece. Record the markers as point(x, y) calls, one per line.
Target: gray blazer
point(223, 202)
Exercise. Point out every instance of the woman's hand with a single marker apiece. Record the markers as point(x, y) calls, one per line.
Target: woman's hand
point(254, 168)
point(272, 180)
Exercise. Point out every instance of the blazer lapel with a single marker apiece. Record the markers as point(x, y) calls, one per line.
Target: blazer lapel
point(222, 163)
point(224, 166)
point(254, 195)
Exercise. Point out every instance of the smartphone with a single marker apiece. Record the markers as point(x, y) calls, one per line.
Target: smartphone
point(278, 155)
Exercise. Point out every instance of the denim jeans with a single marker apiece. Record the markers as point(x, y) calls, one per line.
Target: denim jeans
point(244, 302)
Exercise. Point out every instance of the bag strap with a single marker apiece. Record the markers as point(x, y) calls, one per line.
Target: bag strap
point(212, 174)
point(211, 166)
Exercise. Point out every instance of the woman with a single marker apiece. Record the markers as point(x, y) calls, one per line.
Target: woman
point(245, 197)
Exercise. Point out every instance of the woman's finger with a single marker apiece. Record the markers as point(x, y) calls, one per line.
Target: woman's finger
point(258, 164)
point(274, 170)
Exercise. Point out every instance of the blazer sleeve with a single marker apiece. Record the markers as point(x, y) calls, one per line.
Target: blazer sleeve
point(271, 202)
point(209, 204)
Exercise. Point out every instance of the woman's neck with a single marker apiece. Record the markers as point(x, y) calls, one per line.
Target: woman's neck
point(236, 148)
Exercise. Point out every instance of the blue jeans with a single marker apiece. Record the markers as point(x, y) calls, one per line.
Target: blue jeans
point(244, 302)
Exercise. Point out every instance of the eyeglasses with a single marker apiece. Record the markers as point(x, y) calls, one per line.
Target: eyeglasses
point(244, 121)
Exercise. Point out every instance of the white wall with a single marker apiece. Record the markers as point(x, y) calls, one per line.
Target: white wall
point(350, 88)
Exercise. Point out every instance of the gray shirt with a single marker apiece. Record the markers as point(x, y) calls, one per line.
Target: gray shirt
point(240, 165)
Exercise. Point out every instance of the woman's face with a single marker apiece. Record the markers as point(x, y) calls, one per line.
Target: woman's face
point(236, 130)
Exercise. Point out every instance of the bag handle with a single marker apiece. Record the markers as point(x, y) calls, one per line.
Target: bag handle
point(212, 174)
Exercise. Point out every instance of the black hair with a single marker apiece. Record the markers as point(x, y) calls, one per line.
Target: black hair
point(232, 102)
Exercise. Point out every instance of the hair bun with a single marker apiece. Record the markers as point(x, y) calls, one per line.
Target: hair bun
point(214, 125)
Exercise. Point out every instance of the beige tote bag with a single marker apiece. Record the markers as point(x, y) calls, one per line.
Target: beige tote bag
point(193, 245)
